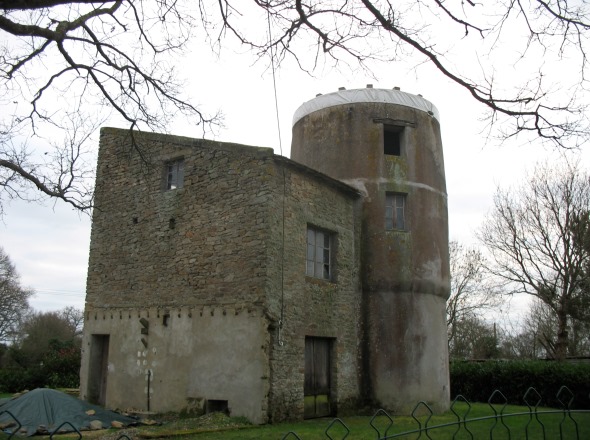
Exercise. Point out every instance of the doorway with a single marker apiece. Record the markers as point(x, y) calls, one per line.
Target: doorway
point(98, 367)
point(317, 377)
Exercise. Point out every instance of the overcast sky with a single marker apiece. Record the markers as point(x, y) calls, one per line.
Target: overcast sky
point(49, 244)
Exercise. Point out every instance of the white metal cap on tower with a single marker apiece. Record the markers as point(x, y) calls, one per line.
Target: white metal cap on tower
point(343, 97)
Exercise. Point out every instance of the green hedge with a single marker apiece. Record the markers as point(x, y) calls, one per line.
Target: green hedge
point(60, 368)
point(476, 381)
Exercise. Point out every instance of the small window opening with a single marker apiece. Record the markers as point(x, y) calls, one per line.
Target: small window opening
point(392, 140)
point(172, 223)
point(166, 320)
point(319, 255)
point(174, 174)
point(395, 207)
point(217, 406)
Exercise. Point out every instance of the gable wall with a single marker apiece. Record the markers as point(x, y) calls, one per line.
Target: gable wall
point(207, 273)
point(214, 254)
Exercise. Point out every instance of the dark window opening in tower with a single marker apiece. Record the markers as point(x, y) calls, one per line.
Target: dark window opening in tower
point(395, 206)
point(392, 140)
point(318, 264)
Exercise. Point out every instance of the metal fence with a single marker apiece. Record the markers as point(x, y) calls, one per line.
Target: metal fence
point(538, 424)
point(14, 428)
point(535, 423)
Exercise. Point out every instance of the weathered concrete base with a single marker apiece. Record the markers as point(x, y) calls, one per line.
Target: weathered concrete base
point(189, 359)
point(408, 359)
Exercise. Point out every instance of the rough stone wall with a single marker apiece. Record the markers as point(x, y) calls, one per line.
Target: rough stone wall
point(310, 306)
point(204, 243)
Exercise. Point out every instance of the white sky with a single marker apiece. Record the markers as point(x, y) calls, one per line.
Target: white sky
point(49, 244)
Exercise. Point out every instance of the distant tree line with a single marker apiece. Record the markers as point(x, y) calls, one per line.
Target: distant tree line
point(37, 349)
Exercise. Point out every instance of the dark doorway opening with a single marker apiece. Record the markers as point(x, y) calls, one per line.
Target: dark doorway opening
point(317, 388)
point(98, 366)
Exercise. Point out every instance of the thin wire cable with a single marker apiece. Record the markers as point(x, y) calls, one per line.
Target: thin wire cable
point(274, 82)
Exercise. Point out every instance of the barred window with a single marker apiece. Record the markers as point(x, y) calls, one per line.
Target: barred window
point(174, 174)
point(395, 206)
point(319, 264)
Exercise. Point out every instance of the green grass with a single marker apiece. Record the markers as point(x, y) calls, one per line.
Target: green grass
point(360, 428)
point(218, 426)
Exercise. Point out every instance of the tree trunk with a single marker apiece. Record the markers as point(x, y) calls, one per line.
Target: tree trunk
point(562, 336)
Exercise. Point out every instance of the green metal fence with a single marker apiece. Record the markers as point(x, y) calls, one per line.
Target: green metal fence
point(534, 423)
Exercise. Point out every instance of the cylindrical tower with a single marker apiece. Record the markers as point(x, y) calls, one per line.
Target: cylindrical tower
point(387, 144)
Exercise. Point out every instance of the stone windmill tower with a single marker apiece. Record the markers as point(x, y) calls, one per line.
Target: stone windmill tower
point(387, 144)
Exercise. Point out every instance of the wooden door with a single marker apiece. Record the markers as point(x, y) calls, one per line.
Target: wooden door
point(317, 377)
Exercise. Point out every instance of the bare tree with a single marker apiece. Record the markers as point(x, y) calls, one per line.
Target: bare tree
point(471, 292)
point(39, 329)
point(62, 63)
point(582, 243)
point(536, 336)
point(14, 298)
point(75, 317)
point(474, 339)
point(530, 234)
point(464, 41)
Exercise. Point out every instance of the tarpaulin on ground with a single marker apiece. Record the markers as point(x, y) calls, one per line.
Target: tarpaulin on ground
point(46, 409)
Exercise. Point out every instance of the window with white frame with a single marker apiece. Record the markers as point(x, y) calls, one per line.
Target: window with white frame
point(174, 174)
point(395, 207)
point(319, 254)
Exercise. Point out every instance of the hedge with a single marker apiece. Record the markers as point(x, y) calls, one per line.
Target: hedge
point(476, 381)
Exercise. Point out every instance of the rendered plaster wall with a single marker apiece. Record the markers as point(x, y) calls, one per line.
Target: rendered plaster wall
point(314, 307)
point(405, 273)
point(198, 355)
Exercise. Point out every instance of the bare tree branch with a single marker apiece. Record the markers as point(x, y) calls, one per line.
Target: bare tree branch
point(372, 30)
point(117, 51)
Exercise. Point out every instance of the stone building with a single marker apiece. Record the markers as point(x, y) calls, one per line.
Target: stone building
point(225, 277)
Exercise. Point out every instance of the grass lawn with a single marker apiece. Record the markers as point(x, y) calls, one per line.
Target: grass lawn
point(359, 427)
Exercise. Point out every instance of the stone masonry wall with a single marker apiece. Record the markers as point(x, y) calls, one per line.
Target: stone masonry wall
point(313, 307)
point(203, 243)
